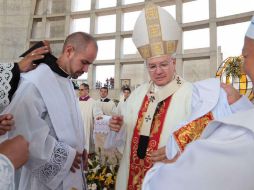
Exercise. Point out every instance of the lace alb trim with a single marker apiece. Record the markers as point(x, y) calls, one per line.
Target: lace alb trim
point(6, 173)
point(101, 125)
point(49, 170)
point(5, 87)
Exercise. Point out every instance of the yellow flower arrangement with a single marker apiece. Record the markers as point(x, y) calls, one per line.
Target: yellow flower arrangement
point(100, 175)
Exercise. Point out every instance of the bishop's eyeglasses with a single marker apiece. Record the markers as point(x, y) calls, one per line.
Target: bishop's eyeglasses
point(164, 65)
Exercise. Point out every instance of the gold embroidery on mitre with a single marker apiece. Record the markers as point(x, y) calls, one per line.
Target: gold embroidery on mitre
point(155, 46)
point(171, 46)
point(73, 188)
point(192, 130)
point(157, 49)
point(154, 31)
point(151, 12)
point(147, 52)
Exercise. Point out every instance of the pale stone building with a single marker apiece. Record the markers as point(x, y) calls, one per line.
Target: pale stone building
point(24, 22)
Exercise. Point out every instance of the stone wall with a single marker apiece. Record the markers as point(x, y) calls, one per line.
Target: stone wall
point(14, 20)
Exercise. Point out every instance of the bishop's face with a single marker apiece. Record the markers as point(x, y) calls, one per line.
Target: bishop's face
point(161, 69)
point(248, 54)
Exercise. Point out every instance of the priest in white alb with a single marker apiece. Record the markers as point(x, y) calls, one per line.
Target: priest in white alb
point(90, 112)
point(48, 116)
point(9, 80)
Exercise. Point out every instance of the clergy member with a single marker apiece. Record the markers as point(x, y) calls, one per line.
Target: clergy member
point(9, 80)
point(223, 157)
point(10, 74)
point(89, 113)
point(154, 109)
point(104, 103)
point(48, 114)
point(108, 107)
point(126, 93)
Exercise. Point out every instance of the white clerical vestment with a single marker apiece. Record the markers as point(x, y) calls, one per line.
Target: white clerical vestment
point(107, 108)
point(9, 79)
point(178, 110)
point(6, 167)
point(185, 102)
point(221, 159)
point(89, 112)
point(6, 173)
point(47, 114)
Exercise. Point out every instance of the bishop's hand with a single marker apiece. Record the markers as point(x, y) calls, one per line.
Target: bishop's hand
point(116, 122)
point(160, 156)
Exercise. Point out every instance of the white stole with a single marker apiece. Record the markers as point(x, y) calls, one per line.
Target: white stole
point(165, 92)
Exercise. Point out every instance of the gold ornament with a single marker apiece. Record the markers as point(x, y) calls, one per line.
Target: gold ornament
point(231, 72)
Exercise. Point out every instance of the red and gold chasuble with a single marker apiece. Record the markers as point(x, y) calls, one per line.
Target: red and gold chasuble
point(139, 167)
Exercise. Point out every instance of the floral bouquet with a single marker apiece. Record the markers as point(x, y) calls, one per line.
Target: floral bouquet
point(100, 175)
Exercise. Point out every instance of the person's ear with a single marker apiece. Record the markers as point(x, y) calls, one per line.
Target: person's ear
point(69, 50)
point(174, 62)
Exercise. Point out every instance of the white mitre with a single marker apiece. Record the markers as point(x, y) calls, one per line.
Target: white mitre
point(250, 31)
point(155, 32)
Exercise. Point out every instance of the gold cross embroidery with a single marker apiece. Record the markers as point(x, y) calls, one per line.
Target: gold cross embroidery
point(148, 118)
point(151, 98)
point(178, 80)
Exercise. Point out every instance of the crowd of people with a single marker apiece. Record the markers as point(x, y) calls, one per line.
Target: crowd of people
point(167, 133)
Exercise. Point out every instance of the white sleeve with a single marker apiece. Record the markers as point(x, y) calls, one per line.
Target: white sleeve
point(113, 107)
point(6, 75)
point(222, 108)
point(6, 173)
point(172, 147)
point(49, 160)
point(242, 104)
point(97, 110)
point(117, 139)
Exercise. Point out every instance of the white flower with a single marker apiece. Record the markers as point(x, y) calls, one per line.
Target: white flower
point(105, 188)
point(111, 167)
point(94, 186)
point(96, 169)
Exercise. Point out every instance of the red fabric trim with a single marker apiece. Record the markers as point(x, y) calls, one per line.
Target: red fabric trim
point(139, 167)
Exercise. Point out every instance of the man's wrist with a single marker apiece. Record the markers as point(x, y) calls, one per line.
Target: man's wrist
point(21, 70)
